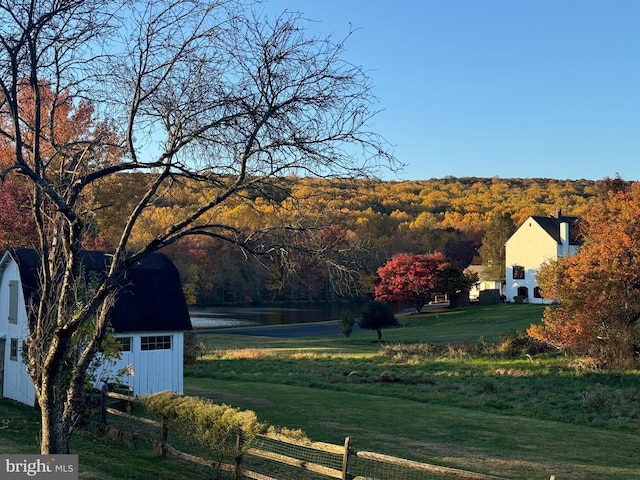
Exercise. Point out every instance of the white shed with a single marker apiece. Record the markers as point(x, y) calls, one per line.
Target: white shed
point(14, 381)
point(149, 318)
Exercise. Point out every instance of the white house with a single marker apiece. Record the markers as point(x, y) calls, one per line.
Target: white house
point(538, 240)
point(482, 284)
point(149, 319)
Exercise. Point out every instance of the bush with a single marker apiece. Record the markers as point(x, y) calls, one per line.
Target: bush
point(514, 343)
point(346, 322)
point(214, 426)
point(376, 316)
point(290, 435)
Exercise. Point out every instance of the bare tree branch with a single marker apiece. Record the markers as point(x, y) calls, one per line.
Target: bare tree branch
point(205, 95)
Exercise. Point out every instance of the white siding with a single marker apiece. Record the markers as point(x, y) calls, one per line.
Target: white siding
point(16, 383)
point(529, 247)
point(153, 370)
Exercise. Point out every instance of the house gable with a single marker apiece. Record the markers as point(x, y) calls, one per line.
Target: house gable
point(14, 380)
point(531, 243)
point(538, 240)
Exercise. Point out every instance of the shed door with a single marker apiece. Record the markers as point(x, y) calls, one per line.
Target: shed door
point(2, 342)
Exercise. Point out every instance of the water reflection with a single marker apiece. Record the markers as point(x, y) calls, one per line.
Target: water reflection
point(221, 317)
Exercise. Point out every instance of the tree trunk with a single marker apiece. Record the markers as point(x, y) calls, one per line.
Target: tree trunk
point(56, 432)
point(420, 303)
point(59, 400)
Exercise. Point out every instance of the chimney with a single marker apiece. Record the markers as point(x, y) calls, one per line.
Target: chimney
point(564, 238)
point(556, 213)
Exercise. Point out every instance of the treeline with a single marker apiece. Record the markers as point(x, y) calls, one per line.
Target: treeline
point(377, 218)
point(357, 225)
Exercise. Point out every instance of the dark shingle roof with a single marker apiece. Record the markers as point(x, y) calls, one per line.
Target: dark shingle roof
point(551, 225)
point(151, 298)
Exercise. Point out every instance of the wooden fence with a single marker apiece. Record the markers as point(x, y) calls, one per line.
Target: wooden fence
point(316, 459)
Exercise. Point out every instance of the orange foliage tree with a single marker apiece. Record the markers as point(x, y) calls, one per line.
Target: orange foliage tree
point(598, 289)
point(56, 133)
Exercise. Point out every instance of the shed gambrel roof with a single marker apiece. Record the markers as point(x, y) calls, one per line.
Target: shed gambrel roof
point(551, 225)
point(150, 299)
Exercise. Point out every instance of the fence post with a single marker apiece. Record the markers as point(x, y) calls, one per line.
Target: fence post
point(345, 459)
point(237, 471)
point(164, 435)
point(103, 407)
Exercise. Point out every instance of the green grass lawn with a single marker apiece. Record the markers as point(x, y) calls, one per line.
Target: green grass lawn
point(437, 392)
point(99, 458)
point(513, 416)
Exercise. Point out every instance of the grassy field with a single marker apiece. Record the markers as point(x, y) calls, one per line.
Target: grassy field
point(439, 391)
point(99, 458)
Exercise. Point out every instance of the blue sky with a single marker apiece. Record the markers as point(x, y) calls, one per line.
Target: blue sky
point(510, 88)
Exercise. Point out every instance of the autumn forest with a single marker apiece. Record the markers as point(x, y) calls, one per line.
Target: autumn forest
point(370, 221)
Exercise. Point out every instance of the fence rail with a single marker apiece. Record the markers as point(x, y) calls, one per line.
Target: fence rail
point(314, 459)
point(410, 464)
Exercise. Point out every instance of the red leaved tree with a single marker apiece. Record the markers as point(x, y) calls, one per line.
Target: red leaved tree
point(409, 277)
point(17, 228)
point(67, 126)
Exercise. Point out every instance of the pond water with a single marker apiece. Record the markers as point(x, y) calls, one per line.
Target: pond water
point(232, 316)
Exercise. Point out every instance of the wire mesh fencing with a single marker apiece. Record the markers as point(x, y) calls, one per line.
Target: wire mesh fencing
point(274, 457)
point(288, 460)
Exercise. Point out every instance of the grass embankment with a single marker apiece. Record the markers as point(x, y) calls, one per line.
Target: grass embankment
point(461, 405)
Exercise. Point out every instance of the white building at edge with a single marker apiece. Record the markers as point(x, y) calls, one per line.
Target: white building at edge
point(538, 240)
point(149, 319)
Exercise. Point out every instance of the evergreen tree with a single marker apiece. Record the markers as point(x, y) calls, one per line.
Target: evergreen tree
point(492, 251)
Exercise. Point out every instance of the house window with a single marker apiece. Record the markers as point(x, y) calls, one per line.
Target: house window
point(125, 343)
point(536, 292)
point(13, 301)
point(518, 272)
point(13, 349)
point(158, 342)
point(523, 292)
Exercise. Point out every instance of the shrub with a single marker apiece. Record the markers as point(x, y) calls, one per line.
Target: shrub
point(514, 343)
point(288, 435)
point(376, 316)
point(346, 322)
point(214, 426)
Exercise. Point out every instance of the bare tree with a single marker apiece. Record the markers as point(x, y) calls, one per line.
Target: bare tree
point(207, 95)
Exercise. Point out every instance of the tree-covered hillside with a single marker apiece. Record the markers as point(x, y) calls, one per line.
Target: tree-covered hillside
point(376, 220)
point(369, 220)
